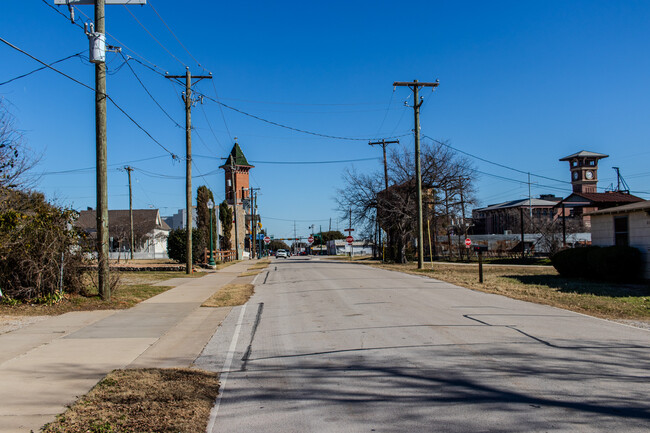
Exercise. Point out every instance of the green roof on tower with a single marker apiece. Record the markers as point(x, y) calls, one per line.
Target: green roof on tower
point(237, 155)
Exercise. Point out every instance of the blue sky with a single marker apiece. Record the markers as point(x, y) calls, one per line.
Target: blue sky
point(521, 84)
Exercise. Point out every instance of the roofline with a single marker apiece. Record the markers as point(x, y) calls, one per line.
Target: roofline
point(576, 155)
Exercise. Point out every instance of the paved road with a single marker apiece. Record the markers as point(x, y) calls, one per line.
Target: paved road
point(328, 346)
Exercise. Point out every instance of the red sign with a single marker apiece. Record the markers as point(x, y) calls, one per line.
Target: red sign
point(267, 240)
point(310, 239)
point(350, 239)
point(468, 242)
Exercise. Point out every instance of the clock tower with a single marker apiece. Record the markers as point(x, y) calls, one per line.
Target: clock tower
point(584, 170)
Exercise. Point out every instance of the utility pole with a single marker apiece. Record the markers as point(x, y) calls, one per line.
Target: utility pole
point(383, 147)
point(129, 169)
point(383, 143)
point(187, 98)
point(417, 103)
point(101, 141)
point(97, 55)
point(254, 228)
point(234, 205)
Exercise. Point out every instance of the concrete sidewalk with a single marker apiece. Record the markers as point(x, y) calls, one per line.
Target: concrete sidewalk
point(45, 366)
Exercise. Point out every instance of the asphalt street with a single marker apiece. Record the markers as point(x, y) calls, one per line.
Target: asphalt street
point(329, 346)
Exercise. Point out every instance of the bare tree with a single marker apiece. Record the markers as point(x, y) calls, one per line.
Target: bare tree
point(443, 171)
point(15, 159)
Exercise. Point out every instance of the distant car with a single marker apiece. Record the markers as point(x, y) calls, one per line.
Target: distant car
point(281, 253)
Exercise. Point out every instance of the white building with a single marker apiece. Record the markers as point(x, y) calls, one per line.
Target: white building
point(340, 247)
point(624, 225)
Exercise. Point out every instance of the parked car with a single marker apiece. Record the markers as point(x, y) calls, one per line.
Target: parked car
point(281, 253)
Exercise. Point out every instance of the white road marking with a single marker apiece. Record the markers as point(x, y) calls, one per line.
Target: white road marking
point(226, 368)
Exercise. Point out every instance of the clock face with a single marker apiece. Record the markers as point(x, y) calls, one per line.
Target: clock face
point(575, 175)
point(589, 174)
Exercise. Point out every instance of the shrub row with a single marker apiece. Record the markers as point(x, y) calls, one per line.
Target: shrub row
point(619, 264)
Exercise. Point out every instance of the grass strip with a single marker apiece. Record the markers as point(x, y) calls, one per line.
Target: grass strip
point(543, 285)
point(143, 400)
point(132, 288)
point(230, 295)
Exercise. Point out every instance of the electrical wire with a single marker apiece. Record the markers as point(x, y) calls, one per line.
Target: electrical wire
point(126, 61)
point(175, 37)
point(216, 95)
point(79, 170)
point(45, 64)
point(300, 162)
point(212, 130)
point(153, 37)
point(291, 127)
point(122, 45)
point(301, 103)
point(173, 155)
point(41, 68)
point(62, 14)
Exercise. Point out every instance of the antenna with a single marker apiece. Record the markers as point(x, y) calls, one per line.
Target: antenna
point(620, 181)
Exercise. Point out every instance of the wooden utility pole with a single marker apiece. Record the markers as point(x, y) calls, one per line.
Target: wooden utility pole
point(523, 243)
point(187, 98)
point(253, 199)
point(383, 147)
point(129, 169)
point(417, 103)
point(101, 158)
point(234, 205)
point(97, 55)
point(383, 143)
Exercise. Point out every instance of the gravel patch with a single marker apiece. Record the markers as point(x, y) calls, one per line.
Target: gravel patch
point(636, 323)
point(12, 323)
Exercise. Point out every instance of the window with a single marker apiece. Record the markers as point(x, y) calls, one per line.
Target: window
point(621, 234)
point(592, 163)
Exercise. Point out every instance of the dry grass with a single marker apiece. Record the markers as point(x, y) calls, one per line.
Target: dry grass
point(262, 264)
point(543, 285)
point(230, 295)
point(144, 400)
point(134, 287)
point(250, 273)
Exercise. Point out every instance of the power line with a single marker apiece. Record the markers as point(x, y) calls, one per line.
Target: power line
point(291, 127)
point(173, 155)
point(492, 162)
point(75, 170)
point(153, 37)
point(124, 46)
point(216, 95)
point(41, 68)
point(341, 161)
point(45, 64)
point(126, 61)
point(62, 14)
point(301, 103)
point(174, 35)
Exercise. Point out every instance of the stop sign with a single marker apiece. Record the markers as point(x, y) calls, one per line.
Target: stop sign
point(468, 242)
point(310, 239)
point(267, 240)
point(350, 239)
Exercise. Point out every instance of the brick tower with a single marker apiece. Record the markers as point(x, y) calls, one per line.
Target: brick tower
point(584, 170)
point(236, 170)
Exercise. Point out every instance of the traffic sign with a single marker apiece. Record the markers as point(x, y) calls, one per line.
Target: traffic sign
point(349, 239)
point(468, 243)
point(267, 240)
point(310, 239)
